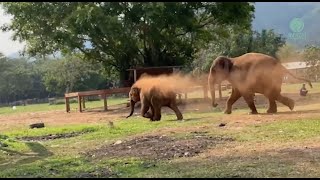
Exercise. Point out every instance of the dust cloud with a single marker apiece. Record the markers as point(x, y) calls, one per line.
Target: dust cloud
point(175, 82)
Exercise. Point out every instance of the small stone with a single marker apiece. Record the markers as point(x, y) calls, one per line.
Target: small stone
point(222, 124)
point(186, 153)
point(118, 142)
point(36, 125)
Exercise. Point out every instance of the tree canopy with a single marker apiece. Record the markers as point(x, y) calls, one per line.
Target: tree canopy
point(125, 34)
point(22, 79)
point(239, 43)
point(311, 56)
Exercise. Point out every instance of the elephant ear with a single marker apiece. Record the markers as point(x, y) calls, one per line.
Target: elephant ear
point(135, 91)
point(224, 63)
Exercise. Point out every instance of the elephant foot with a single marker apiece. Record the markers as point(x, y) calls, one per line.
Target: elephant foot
point(179, 118)
point(291, 104)
point(271, 111)
point(155, 118)
point(253, 112)
point(147, 115)
point(227, 111)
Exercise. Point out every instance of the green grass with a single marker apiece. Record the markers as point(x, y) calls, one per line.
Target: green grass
point(283, 131)
point(52, 130)
point(61, 158)
point(64, 158)
point(47, 107)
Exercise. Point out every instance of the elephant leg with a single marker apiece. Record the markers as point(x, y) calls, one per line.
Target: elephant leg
point(235, 95)
point(151, 113)
point(157, 114)
point(286, 101)
point(144, 109)
point(156, 109)
point(272, 106)
point(250, 101)
point(174, 107)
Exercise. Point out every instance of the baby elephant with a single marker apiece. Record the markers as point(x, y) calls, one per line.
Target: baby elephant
point(153, 97)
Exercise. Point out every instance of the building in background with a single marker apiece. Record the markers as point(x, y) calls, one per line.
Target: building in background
point(300, 69)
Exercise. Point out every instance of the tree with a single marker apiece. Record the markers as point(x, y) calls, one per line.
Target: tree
point(124, 34)
point(267, 42)
point(71, 74)
point(15, 79)
point(238, 43)
point(312, 59)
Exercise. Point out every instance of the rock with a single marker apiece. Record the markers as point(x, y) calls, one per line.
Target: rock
point(118, 142)
point(222, 124)
point(36, 125)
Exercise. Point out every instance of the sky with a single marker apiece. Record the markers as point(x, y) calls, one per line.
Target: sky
point(7, 45)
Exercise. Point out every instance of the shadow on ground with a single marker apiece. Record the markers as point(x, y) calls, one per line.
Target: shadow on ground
point(38, 151)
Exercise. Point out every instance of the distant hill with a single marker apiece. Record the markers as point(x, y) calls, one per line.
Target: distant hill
point(277, 16)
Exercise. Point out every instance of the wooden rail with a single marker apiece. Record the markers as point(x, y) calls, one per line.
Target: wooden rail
point(103, 93)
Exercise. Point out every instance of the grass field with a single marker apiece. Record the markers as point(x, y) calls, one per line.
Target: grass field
point(47, 107)
point(280, 145)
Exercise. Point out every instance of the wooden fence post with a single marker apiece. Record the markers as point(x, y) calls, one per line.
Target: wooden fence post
point(79, 103)
point(83, 102)
point(67, 104)
point(105, 105)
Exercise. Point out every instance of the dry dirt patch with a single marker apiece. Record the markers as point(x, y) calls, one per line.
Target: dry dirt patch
point(51, 136)
point(159, 147)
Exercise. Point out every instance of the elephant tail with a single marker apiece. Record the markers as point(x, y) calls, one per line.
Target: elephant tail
point(303, 79)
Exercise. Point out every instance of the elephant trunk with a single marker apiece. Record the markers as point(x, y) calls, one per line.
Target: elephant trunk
point(212, 90)
point(132, 103)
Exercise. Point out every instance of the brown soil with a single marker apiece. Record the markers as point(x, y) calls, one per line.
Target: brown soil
point(60, 117)
point(50, 136)
point(159, 147)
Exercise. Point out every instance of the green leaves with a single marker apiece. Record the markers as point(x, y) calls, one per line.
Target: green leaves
point(74, 75)
point(311, 56)
point(148, 33)
point(237, 41)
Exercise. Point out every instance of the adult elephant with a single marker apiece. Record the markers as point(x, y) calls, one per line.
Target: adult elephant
point(153, 94)
point(249, 74)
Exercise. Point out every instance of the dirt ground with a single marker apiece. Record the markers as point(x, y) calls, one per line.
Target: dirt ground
point(159, 147)
point(304, 108)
